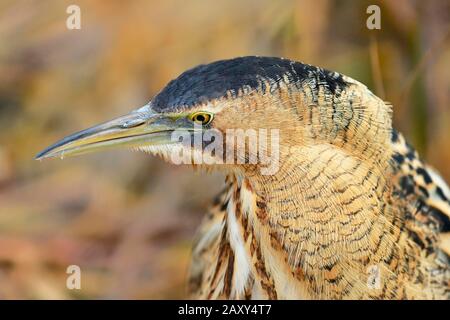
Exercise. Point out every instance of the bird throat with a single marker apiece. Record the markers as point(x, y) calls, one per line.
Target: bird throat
point(300, 224)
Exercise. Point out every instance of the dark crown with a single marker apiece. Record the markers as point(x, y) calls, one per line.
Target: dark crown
point(227, 77)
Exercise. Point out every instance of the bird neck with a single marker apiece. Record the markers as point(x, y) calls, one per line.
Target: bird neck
point(322, 198)
point(327, 207)
point(336, 162)
point(321, 175)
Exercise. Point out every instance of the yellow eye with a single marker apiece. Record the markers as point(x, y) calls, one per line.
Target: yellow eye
point(201, 117)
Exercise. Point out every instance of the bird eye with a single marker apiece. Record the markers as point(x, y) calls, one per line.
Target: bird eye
point(202, 118)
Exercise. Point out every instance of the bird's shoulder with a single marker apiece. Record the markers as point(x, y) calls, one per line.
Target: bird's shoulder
point(423, 187)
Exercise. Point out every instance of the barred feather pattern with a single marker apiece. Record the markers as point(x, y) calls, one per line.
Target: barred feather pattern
point(350, 195)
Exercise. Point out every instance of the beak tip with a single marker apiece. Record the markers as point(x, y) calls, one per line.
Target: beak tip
point(44, 154)
point(39, 156)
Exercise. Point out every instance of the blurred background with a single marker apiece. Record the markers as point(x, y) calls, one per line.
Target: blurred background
point(128, 219)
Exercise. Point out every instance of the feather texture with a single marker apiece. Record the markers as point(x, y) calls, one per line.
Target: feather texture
point(351, 196)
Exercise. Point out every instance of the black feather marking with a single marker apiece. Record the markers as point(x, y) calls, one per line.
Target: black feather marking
point(425, 175)
point(398, 158)
point(424, 191)
point(394, 136)
point(444, 220)
point(407, 184)
point(440, 193)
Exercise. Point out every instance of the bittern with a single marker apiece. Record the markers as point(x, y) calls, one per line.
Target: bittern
point(351, 213)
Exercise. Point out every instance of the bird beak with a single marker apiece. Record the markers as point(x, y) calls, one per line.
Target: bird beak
point(142, 127)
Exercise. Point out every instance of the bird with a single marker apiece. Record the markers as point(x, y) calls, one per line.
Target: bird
point(352, 211)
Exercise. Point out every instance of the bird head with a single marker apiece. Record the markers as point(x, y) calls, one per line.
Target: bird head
point(287, 103)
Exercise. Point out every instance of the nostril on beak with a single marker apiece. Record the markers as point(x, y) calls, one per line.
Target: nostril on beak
point(133, 123)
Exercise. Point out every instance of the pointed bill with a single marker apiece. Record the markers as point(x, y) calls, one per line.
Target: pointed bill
point(139, 128)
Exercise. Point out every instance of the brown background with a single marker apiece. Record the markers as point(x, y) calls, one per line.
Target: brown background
point(127, 219)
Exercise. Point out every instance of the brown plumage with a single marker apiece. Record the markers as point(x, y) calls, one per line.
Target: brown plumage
point(350, 199)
